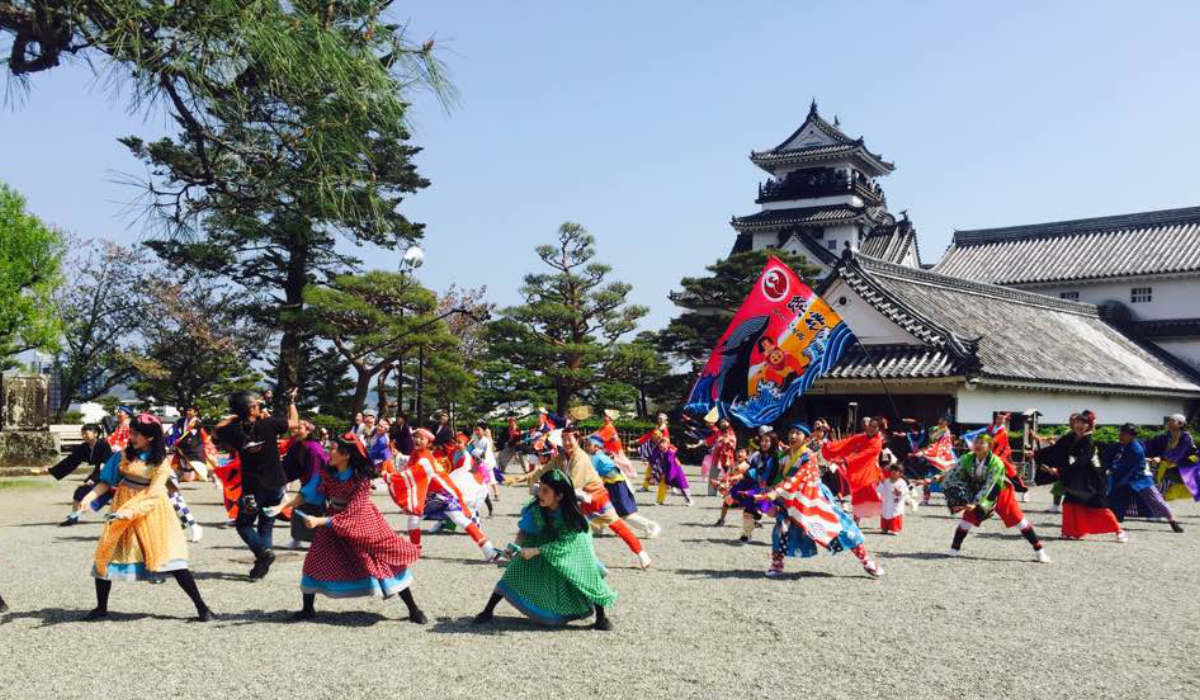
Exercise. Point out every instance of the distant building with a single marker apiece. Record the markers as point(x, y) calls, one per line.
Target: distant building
point(943, 344)
point(823, 197)
point(1142, 270)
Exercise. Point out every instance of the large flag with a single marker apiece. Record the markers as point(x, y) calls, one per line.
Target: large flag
point(780, 340)
point(941, 452)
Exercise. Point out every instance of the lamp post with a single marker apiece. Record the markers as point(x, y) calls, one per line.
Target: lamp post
point(413, 258)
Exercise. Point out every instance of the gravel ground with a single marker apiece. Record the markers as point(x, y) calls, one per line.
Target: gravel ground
point(1104, 620)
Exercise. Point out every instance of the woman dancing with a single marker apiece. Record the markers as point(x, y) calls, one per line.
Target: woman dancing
point(1072, 461)
point(142, 540)
point(354, 552)
point(555, 576)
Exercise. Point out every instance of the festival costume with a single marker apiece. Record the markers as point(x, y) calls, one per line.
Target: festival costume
point(985, 485)
point(668, 473)
point(762, 474)
point(564, 581)
point(146, 540)
point(423, 476)
point(860, 456)
point(1130, 481)
point(96, 455)
point(621, 496)
point(593, 496)
point(646, 443)
point(1178, 474)
point(892, 493)
point(809, 516)
point(1083, 486)
point(614, 447)
point(1002, 449)
point(303, 461)
point(356, 553)
point(118, 439)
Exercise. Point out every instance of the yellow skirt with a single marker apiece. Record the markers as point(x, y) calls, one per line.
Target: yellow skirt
point(144, 547)
point(1176, 489)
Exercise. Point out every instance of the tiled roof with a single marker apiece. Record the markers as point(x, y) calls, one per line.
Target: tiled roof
point(891, 243)
point(842, 145)
point(1147, 243)
point(895, 362)
point(1001, 333)
point(799, 216)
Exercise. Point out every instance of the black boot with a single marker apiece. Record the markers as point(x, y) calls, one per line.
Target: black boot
point(308, 612)
point(103, 588)
point(262, 564)
point(1176, 527)
point(602, 622)
point(415, 615)
point(489, 611)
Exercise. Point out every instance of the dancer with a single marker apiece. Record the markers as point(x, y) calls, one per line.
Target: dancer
point(998, 430)
point(590, 490)
point(1130, 480)
point(978, 487)
point(484, 453)
point(760, 477)
point(929, 464)
point(554, 576)
point(893, 491)
point(741, 463)
point(858, 455)
point(1072, 461)
point(612, 444)
point(354, 552)
point(618, 488)
point(191, 446)
point(141, 541)
point(646, 444)
point(1173, 454)
point(118, 435)
point(412, 484)
point(254, 437)
point(509, 444)
point(93, 451)
point(668, 472)
point(304, 460)
point(807, 514)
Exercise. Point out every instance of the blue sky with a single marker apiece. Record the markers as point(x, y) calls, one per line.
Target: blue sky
point(636, 119)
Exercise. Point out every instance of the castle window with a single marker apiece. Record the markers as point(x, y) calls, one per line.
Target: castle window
point(1140, 295)
point(1069, 296)
point(831, 244)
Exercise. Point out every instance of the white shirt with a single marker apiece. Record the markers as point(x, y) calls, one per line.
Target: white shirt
point(893, 493)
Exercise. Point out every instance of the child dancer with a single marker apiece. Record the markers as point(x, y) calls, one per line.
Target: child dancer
point(423, 474)
point(978, 487)
point(354, 552)
point(726, 480)
point(554, 576)
point(893, 491)
point(668, 472)
point(142, 540)
point(618, 488)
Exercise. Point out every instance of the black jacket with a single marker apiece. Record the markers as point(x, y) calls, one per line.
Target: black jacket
point(96, 455)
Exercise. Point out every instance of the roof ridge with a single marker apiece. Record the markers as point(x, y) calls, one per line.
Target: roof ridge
point(1096, 224)
point(981, 288)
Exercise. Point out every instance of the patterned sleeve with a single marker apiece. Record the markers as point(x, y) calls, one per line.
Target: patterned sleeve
point(993, 483)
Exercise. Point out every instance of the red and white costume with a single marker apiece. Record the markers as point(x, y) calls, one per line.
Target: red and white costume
point(409, 487)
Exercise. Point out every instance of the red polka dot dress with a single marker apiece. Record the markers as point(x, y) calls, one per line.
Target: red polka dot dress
point(357, 553)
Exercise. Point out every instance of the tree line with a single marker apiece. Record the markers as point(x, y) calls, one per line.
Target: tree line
point(292, 147)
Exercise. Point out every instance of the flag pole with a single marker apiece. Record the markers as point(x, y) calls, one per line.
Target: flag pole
point(879, 376)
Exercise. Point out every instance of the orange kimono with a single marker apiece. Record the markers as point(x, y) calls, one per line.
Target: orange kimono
point(859, 456)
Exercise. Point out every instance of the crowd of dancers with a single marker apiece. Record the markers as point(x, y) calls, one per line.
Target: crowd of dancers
point(814, 490)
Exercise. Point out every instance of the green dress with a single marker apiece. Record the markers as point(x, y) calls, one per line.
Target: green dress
point(564, 581)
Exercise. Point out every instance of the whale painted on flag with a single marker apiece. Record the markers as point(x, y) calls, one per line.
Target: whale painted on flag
point(782, 338)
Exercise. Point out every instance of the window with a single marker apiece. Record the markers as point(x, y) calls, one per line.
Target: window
point(1069, 296)
point(831, 244)
point(1140, 295)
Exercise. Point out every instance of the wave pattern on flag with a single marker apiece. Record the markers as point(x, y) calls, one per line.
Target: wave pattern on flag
point(941, 453)
point(782, 338)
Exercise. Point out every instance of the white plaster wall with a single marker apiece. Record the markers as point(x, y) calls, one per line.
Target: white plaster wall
point(976, 405)
point(852, 200)
point(1170, 298)
point(870, 326)
point(1186, 349)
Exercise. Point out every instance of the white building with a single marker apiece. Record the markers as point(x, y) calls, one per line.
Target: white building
point(1142, 270)
point(822, 198)
point(944, 344)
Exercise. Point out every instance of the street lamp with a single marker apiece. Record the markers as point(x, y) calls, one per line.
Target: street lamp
point(413, 258)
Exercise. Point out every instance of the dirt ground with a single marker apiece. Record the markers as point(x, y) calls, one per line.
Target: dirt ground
point(1103, 620)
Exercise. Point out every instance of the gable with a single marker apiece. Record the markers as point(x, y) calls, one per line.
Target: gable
point(809, 136)
point(869, 325)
